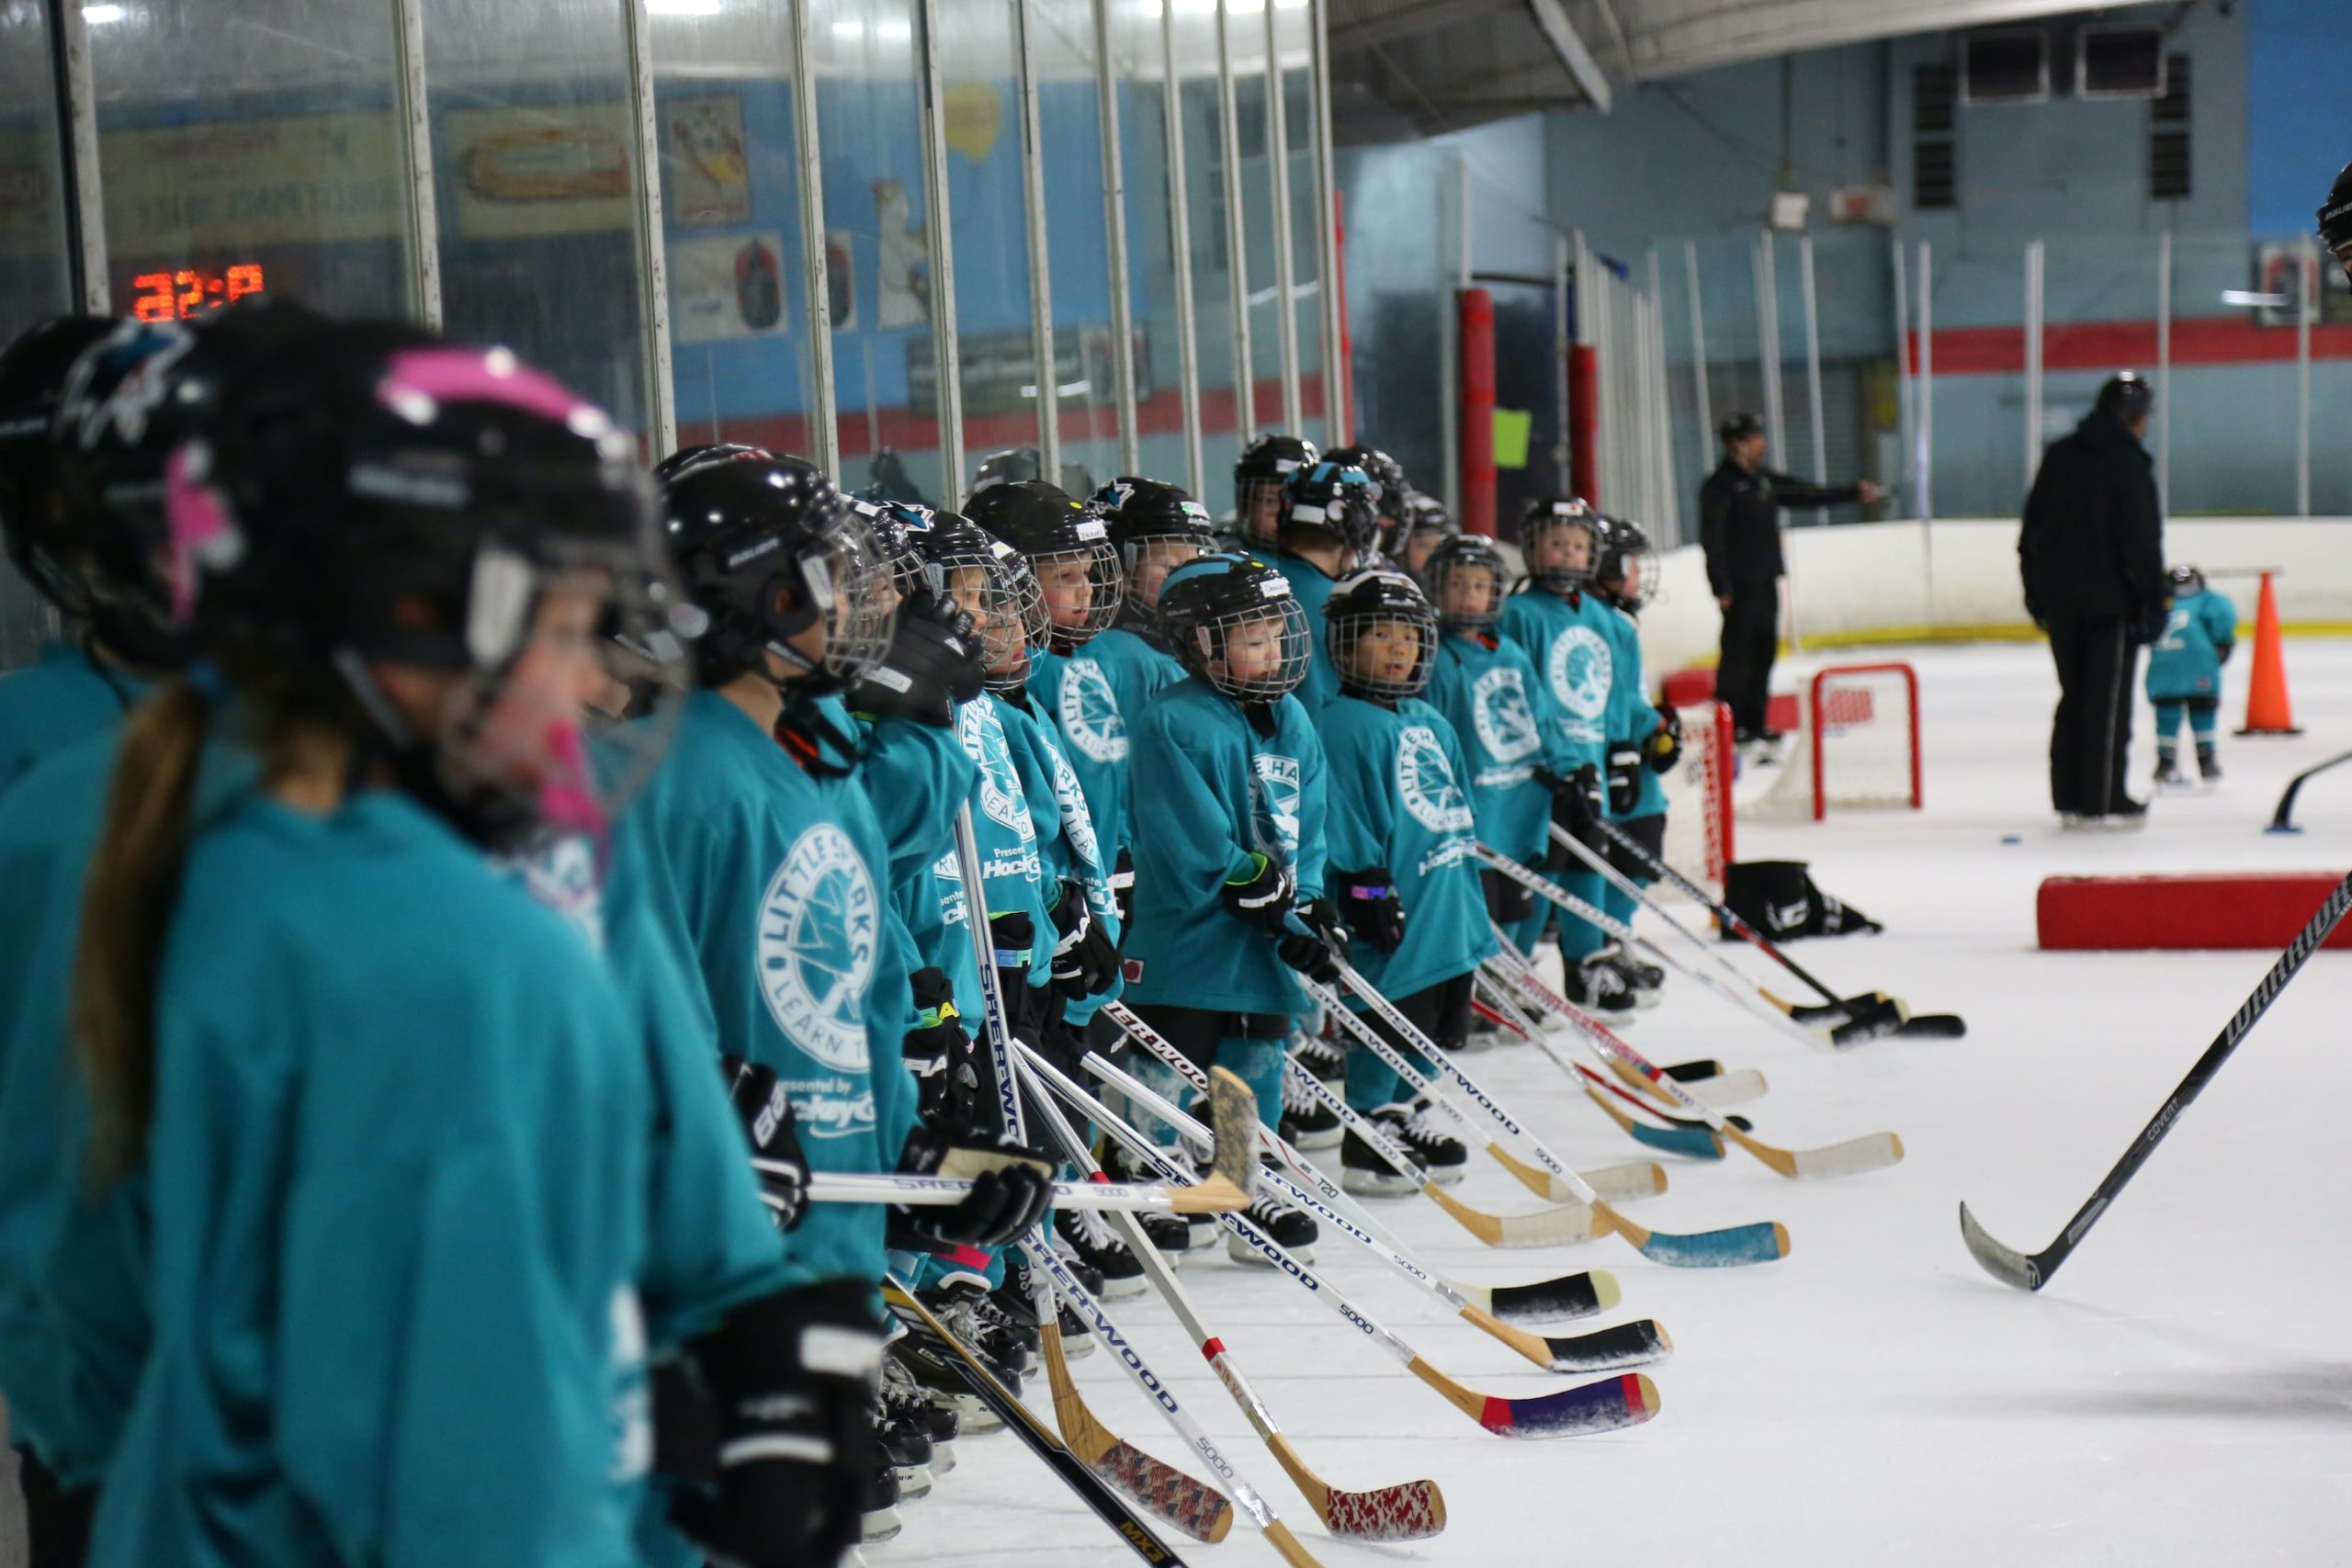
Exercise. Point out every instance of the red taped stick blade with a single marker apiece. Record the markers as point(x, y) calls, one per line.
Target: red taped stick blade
point(1412, 1511)
point(1194, 1508)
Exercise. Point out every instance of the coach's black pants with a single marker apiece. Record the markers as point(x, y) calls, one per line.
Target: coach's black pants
point(57, 1519)
point(2092, 730)
point(1750, 642)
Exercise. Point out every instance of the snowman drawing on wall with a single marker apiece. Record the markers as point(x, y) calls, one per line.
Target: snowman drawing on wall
point(903, 285)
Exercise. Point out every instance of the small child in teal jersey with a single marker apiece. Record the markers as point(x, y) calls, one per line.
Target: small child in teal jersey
point(2185, 673)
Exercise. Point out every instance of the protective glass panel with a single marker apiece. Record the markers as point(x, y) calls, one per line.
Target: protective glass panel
point(35, 280)
point(1140, 70)
point(1069, 129)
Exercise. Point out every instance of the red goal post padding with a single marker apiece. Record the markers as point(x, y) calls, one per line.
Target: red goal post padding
point(1697, 794)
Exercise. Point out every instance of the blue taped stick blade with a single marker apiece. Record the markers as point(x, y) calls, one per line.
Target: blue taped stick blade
point(1729, 1248)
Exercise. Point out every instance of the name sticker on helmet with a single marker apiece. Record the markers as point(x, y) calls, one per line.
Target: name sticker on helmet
point(1091, 529)
point(1274, 588)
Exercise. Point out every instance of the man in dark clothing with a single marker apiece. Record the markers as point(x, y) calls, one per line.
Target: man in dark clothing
point(2092, 554)
point(1739, 528)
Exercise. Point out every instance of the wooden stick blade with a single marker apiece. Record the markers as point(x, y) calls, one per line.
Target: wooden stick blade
point(1215, 1195)
point(1619, 1183)
point(1233, 1116)
point(1726, 1089)
point(1874, 1151)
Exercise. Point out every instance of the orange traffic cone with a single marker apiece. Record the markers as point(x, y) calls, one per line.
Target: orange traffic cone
point(2268, 711)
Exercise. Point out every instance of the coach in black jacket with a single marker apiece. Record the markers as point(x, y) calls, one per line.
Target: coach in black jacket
point(1739, 529)
point(2092, 554)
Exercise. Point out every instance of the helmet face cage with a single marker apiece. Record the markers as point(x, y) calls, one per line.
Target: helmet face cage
point(847, 571)
point(894, 539)
point(2186, 580)
point(1081, 590)
point(1452, 577)
point(1347, 630)
point(1149, 557)
point(1626, 564)
point(1551, 528)
point(1258, 654)
point(988, 581)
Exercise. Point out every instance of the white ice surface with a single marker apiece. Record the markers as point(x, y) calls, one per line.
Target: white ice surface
point(2182, 1393)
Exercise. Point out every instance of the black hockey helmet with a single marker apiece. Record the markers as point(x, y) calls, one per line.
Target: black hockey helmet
point(366, 492)
point(1015, 464)
point(989, 582)
point(1624, 564)
point(1386, 474)
point(889, 523)
point(1335, 500)
point(2336, 218)
point(2186, 580)
point(2126, 395)
point(1258, 478)
point(1228, 610)
point(1155, 527)
point(1463, 603)
point(133, 406)
point(1738, 425)
point(1555, 516)
point(43, 535)
point(1068, 545)
point(1427, 523)
point(686, 457)
point(766, 548)
point(1363, 603)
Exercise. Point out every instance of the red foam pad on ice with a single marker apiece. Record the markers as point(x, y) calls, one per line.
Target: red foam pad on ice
point(1689, 688)
point(1780, 713)
point(2196, 910)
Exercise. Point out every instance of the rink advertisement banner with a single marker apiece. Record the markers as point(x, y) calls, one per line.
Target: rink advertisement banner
point(706, 167)
point(549, 169)
point(724, 286)
point(233, 184)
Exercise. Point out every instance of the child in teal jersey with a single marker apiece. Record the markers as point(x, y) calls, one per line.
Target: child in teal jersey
point(1644, 743)
point(1229, 878)
point(1402, 847)
point(766, 858)
point(408, 661)
point(1156, 528)
point(1330, 522)
point(2185, 673)
point(1569, 637)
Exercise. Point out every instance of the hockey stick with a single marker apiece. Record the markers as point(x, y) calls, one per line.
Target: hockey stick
point(1743, 996)
point(1693, 1141)
point(997, 1022)
point(1873, 1151)
point(1626, 1399)
point(1105, 1504)
point(1544, 1301)
point(1183, 1491)
point(1217, 1195)
point(1407, 1511)
point(1528, 1176)
point(1188, 1505)
point(2026, 1273)
point(1549, 1227)
point(1706, 1249)
point(1628, 1344)
point(1866, 1018)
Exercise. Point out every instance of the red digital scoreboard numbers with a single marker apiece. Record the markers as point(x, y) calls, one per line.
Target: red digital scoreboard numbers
point(193, 291)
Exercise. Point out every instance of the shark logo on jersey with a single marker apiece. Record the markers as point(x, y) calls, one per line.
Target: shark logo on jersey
point(1078, 822)
point(1275, 781)
point(1089, 712)
point(1580, 669)
point(1425, 782)
point(982, 733)
point(1499, 713)
point(564, 877)
point(819, 936)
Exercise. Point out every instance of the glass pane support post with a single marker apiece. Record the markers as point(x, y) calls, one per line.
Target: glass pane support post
point(1179, 231)
point(1285, 263)
point(1237, 246)
point(824, 429)
point(86, 208)
point(2306, 286)
point(2164, 367)
point(1812, 368)
point(1924, 464)
point(946, 350)
point(1338, 396)
point(1041, 292)
point(1563, 348)
point(1114, 215)
point(421, 211)
point(1698, 349)
point(2033, 308)
point(645, 152)
point(1768, 345)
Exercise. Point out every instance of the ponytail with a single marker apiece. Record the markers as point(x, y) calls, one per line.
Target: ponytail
point(127, 905)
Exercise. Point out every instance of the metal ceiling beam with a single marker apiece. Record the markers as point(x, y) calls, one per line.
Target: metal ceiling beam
point(1553, 23)
point(1757, 30)
point(1427, 17)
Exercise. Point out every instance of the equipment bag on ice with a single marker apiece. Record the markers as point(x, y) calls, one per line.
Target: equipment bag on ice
point(1780, 898)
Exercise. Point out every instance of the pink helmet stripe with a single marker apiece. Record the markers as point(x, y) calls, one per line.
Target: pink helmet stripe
point(472, 375)
point(198, 527)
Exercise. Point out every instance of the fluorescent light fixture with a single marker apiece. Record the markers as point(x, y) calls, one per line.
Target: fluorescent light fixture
point(2255, 299)
point(682, 7)
point(895, 29)
point(98, 15)
point(849, 31)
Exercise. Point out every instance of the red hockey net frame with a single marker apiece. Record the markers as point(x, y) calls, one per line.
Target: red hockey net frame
point(1823, 710)
point(1706, 768)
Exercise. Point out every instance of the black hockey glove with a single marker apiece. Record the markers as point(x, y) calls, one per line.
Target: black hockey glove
point(1123, 884)
point(1012, 1190)
point(1368, 902)
point(1663, 748)
point(1625, 776)
point(790, 1376)
point(934, 662)
point(1264, 897)
point(943, 1058)
point(1015, 936)
point(1576, 800)
point(766, 1114)
point(1086, 961)
point(1315, 943)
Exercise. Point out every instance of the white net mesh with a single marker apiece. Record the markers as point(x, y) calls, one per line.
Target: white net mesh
point(1698, 799)
point(1866, 753)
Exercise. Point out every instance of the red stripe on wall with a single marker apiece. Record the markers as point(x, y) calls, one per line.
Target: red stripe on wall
point(2116, 346)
